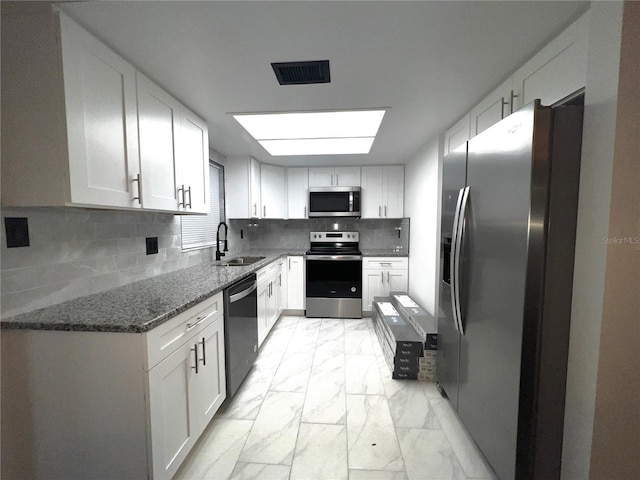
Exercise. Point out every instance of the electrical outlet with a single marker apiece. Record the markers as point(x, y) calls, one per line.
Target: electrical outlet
point(152, 245)
point(17, 230)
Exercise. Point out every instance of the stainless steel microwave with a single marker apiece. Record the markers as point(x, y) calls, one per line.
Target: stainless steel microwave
point(334, 202)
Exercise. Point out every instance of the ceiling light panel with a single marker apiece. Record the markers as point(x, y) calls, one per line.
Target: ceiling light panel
point(299, 125)
point(318, 146)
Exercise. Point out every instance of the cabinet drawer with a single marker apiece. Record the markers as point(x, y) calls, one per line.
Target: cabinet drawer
point(266, 272)
point(164, 339)
point(387, 263)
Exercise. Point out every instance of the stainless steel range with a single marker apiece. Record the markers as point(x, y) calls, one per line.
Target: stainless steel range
point(334, 275)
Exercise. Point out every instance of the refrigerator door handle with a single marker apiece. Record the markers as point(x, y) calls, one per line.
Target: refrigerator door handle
point(454, 242)
point(455, 272)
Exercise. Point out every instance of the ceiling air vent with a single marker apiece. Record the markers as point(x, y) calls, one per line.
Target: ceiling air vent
point(301, 73)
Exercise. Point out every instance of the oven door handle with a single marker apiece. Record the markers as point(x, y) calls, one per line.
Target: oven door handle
point(333, 257)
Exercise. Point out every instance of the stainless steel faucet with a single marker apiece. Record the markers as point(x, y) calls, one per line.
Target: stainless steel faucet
point(220, 254)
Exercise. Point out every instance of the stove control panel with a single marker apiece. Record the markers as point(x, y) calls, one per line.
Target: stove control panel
point(334, 237)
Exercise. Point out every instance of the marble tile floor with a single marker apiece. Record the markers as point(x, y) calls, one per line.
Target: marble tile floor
point(320, 404)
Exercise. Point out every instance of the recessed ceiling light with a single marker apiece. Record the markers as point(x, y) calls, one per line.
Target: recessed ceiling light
point(314, 133)
point(318, 146)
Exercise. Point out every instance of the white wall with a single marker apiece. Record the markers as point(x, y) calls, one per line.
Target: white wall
point(422, 205)
point(593, 226)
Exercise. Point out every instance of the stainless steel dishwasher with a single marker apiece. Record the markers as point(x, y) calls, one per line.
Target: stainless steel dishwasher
point(240, 331)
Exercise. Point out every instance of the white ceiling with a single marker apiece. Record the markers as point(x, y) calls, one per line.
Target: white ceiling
point(427, 61)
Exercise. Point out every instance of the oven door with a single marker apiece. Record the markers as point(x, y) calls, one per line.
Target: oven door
point(334, 286)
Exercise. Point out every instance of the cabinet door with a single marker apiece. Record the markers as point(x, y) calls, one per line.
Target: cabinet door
point(347, 177)
point(263, 306)
point(102, 124)
point(457, 134)
point(393, 191)
point(208, 386)
point(279, 285)
point(321, 177)
point(272, 191)
point(496, 106)
point(254, 188)
point(372, 204)
point(295, 283)
point(372, 286)
point(559, 69)
point(194, 162)
point(396, 280)
point(169, 397)
point(159, 120)
point(298, 192)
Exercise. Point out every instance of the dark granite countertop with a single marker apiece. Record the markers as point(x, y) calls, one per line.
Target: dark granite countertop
point(140, 306)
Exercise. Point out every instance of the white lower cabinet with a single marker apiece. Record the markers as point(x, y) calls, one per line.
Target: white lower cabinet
point(111, 405)
point(382, 275)
point(269, 298)
point(295, 283)
point(185, 391)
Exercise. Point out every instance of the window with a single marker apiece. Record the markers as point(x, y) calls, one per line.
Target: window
point(199, 231)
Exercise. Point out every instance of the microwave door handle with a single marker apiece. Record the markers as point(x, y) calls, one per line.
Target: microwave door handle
point(351, 201)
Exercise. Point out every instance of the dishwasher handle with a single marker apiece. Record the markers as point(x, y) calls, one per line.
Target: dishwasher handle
point(244, 293)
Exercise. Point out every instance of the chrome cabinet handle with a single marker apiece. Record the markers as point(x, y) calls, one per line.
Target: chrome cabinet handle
point(181, 204)
point(289, 263)
point(254, 209)
point(382, 276)
point(305, 211)
point(385, 207)
point(379, 210)
point(388, 281)
point(195, 351)
point(204, 352)
point(264, 210)
point(199, 320)
point(504, 103)
point(189, 205)
point(512, 97)
point(337, 179)
point(139, 197)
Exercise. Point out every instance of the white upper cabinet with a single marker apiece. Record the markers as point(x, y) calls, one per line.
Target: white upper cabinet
point(273, 191)
point(72, 107)
point(497, 105)
point(298, 192)
point(194, 160)
point(457, 134)
point(174, 152)
point(334, 177)
point(255, 186)
point(159, 120)
point(383, 192)
point(242, 187)
point(555, 72)
point(559, 69)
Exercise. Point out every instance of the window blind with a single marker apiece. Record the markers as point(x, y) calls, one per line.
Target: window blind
point(200, 230)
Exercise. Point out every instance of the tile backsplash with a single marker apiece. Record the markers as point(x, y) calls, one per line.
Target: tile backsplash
point(384, 235)
point(75, 252)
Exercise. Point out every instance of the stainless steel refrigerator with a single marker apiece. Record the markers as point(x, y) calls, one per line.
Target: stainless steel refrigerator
point(509, 203)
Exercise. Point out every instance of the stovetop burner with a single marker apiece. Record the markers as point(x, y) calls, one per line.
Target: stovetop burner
point(334, 243)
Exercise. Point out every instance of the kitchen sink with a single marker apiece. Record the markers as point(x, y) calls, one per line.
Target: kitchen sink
point(241, 261)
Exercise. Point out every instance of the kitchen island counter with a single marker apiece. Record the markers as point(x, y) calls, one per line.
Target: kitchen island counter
point(142, 305)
